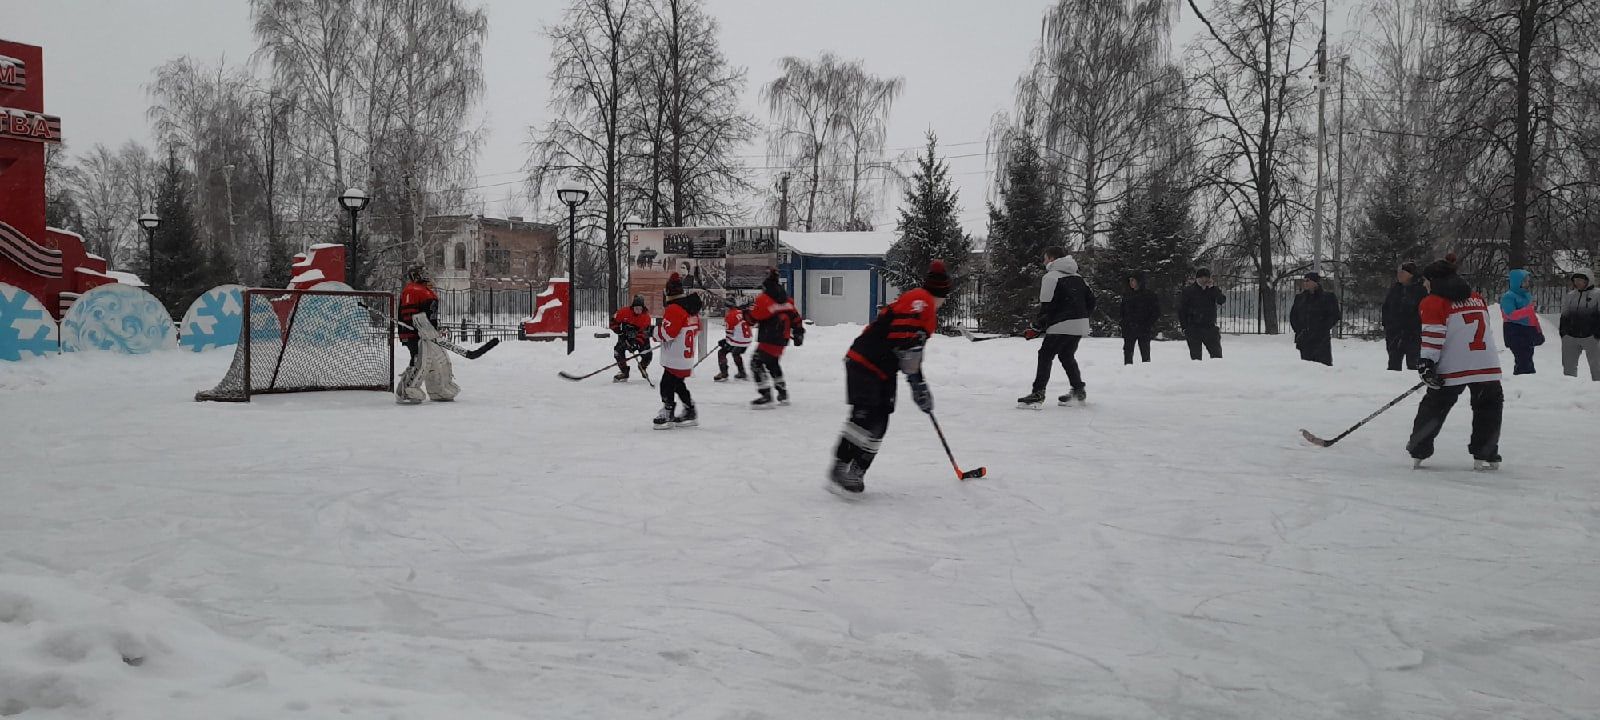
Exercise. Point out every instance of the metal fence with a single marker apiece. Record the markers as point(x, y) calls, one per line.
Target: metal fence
point(479, 314)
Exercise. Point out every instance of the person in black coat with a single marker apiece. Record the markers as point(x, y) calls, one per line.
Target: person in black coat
point(1402, 324)
point(1140, 310)
point(1197, 314)
point(1313, 317)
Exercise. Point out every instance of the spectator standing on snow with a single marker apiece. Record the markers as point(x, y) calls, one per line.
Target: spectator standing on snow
point(1065, 303)
point(1402, 326)
point(1313, 317)
point(1140, 311)
point(1521, 322)
point(1197, 314)
point(1580, 326)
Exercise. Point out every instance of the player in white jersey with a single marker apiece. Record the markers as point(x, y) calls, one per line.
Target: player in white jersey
point(680, 324)
point(1458, 355)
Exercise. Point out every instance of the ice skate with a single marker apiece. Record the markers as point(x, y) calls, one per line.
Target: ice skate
point(1078, 394)
point(620, 377)
point(1416, 463)
point(663, 419)
point(1486, 464)
point(720, 377)
point(783, 394)
point(741, 375)
point(1031, 401)
point(765, 402)
point(845, 480)
point(689, 418)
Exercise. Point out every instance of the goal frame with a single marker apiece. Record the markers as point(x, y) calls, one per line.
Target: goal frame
point(387, 303)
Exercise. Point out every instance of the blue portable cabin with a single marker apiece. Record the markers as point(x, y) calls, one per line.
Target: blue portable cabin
point(836, 277)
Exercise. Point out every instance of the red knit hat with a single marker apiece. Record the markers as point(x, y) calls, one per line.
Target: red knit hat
point(938, 280)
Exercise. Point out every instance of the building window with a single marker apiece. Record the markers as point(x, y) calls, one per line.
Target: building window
point(496, 259)
point(833, 285)
point(461, 256)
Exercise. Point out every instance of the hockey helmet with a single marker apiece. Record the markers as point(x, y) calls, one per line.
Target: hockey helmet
point(418, 274)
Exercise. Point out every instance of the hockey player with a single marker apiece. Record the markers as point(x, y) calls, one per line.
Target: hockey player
point(430, 365)
point(680, 324)
point(1458, 354)
point(1065, 306)
point(891, 344)
point(776, 323)
point(632, 327)
point(736, 339)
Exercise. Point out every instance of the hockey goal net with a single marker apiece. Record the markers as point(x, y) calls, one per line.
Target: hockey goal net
point(309, 340)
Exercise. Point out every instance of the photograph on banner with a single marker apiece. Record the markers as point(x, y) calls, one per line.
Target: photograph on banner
point(752, 252)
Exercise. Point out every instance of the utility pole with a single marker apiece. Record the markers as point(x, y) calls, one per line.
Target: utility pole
point(1322, 139)
point(1338, 192)
point(783, 202)
point(233, 233)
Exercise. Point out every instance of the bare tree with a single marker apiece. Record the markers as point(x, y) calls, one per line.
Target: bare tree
point(687, 123)
point(588, 139)
point(1248, 91)
point(829, 120)
point(1096, 88)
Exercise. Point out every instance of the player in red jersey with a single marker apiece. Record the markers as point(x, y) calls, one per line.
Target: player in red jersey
point(430, 365)
point(1458, 354)
point(777, 322)
point(680, 324)
point(737, 336)
point(632, 327)
point(892, 344)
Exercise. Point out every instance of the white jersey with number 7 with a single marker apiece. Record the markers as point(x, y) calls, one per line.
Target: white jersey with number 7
point(1457, 336)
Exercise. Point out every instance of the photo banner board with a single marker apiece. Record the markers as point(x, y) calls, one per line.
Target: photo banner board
point(735, 259)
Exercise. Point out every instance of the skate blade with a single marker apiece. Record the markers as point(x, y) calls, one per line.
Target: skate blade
point(661, 426)
point(685, 423)
point(784, 403)
point(1486, 467)
point(1030, 406)
point(764, 406)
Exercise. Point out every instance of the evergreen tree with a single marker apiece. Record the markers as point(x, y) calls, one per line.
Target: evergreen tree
point(1018, 235)
point(180, 272)
point(1392, 230)
point(279, 271)
point(929, 228)
point(1153, 233)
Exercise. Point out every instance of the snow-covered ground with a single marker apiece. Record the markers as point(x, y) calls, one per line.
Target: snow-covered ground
point(535, 550)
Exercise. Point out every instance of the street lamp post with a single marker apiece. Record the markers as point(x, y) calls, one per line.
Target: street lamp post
point(354, 200)
point(149, 221)
point(573, 195)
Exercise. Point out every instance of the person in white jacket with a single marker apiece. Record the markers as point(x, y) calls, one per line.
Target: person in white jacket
point(1065, 304)
point(1580, 326)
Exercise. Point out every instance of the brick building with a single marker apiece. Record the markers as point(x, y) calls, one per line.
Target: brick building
point(472, 252)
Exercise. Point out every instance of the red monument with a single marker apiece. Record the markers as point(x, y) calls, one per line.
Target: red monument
point(49, 264)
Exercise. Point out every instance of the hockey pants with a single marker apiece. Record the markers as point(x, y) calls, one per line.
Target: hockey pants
point(769, 374)
point(429, 368)
point(738, 357)
point(871, 403)
point(1488, 402)
point(673, 386)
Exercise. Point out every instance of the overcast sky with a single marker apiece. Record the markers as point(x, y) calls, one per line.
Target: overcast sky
point(960, 60)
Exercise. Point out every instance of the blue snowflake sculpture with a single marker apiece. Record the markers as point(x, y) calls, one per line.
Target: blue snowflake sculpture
point(25, 326)
point(214, 320)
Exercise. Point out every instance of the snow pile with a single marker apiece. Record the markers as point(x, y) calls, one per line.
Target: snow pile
point(67, 651)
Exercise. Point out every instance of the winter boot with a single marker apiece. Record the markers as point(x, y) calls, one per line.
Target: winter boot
point(689, 418)
point(1031, 401)
point(845, 479)
point(663, 419)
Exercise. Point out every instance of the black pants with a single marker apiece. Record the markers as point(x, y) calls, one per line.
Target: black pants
point(1127, 349)
point(1404, 349)
point(411, 347)
point(1316, 348)
point(672, 385)
point(1058, 347)
point(1521, 340)
point(722, 357)
point(871, 401)
point(624, 348)
point(769, 374)
point(1488, 402)
point(1210, 337)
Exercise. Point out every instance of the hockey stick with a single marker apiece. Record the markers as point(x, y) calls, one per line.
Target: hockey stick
point(960, 475)
point(968, 335)
point(1319, 442)
point(576, 378)
point(441, 341)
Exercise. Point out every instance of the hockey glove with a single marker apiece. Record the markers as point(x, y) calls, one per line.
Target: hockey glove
point(799, 335)
point(1429, 370)
point(1030, 333)
point(920, 393)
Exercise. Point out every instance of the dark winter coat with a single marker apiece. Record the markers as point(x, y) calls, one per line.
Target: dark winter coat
point(1314, 315)
point(1140, 309)
point(1197, 307)
point(1065, 301)
point(1580, 313)
point(1401, 319)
